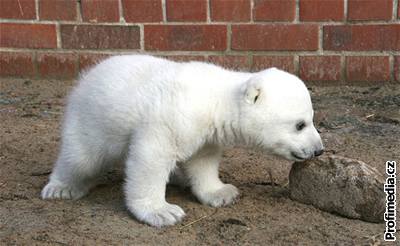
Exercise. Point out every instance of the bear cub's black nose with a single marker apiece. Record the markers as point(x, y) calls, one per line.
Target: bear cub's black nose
point(318, 152)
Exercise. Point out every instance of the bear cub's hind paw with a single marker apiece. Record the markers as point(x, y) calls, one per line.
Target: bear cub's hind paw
point(55, 190)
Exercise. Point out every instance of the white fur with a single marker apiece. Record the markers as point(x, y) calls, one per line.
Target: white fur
point(153, 113)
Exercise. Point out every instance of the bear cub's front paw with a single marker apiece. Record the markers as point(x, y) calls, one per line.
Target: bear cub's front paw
point(223, 196)
point(165, 215)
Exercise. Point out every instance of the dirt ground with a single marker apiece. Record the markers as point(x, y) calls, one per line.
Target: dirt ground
point(358, 122)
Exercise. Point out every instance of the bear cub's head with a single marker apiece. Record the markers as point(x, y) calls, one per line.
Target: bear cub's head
point(276, 115)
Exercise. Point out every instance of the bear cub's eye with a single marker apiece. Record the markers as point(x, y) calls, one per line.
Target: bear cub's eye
point(300, 126)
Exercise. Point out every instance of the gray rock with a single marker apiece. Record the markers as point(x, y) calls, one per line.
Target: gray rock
point(339, 185)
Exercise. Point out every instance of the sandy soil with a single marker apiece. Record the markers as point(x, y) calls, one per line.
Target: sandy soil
point(362, 123)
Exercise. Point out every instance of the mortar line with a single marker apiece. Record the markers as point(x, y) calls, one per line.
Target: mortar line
point(345, 8)
point(79, 11)
point(58, 36)
point(250, 58)
point(141, 33)
point(37, 9)
point(391, 68)
point(229, 37)
point(208, 11)
point(121, 12)
point(343, 68)
point(296, 63)
point(35, 65)
point(251, 11)
point(395, 6)
point(320, 39)
point(80, 22)
point(221, 52)
point(297, 15)
point(164, 10)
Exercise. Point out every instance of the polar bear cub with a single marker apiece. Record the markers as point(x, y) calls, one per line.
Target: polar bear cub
point(165, 119)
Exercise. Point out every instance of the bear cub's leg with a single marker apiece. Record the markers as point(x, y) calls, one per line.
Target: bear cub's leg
point(75, 173)
point(202, 172)
point(150, 161)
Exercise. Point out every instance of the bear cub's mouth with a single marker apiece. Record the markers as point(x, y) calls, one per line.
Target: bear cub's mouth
point(298, 158)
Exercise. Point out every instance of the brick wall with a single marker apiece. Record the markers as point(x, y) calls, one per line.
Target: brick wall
point(323, 41)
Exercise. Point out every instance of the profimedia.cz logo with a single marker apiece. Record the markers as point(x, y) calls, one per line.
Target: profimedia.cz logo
point(390, 190)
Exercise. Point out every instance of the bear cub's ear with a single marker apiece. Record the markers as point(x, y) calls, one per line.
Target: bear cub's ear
point(252, 92)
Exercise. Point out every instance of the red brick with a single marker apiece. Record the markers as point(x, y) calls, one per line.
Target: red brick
point(397, 68)
point(28, 35)
point(186, 10)
point(370, 9)
point(142, 10)
point(275, 37)
point(185, 37)
point(13, 9)
point(282, 62)
point(60, 65)
point(88, 60)
point(320, 68)
point(100, 10)
point(362, 37)
point(185, 58)
point(16, 64)
point(231, 62)
point(274, 10)
point(367, 68)
point(100, 37)
point(232, 10)
point(313, 10)
point(57, 10)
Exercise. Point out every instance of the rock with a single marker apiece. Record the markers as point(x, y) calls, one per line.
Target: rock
point(339, 185)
